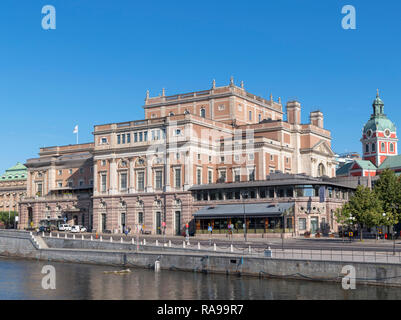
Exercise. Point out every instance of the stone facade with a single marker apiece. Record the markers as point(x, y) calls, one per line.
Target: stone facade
point(12, 187)
point(143, 170)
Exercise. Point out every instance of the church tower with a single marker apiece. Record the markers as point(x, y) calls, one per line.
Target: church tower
point(379, 136)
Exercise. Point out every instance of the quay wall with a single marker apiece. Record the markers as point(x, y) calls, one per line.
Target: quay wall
point(21, 245)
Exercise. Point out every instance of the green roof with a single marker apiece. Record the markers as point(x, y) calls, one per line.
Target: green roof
point(391, 162)
point(343, 170)
point(18, 172)
point(379, 123)
point(366, 164)
point(378, 120)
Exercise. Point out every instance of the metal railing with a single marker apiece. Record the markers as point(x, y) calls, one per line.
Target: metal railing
point(335, 255)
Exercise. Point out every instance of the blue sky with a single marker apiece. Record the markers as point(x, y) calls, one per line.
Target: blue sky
point(97, 65)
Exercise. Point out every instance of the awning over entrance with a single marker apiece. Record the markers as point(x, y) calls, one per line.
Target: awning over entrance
point(251, 210)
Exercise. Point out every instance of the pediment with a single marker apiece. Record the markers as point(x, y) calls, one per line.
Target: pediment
point(323, 147)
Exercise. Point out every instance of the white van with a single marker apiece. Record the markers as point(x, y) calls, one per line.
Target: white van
point(64, 227)
point(76, 229)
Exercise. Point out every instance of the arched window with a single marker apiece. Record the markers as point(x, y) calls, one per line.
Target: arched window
point(203, 113)
point(171, 114)
point(383, 146)
point(391, 147)
point(373, 147)
point(367, 148)
point(250, 115)
point(260, 117)
point(321, 171)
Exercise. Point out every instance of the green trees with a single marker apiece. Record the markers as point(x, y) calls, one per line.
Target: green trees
point(364, 208)
point(377, 207)
point(388, 190)
point(4, 217)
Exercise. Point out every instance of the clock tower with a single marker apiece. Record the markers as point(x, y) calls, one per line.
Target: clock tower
point(379, 136)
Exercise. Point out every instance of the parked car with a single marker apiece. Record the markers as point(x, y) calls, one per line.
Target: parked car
point(75, 229)
point(44, 229)
point(83, 229)
point(64, 227)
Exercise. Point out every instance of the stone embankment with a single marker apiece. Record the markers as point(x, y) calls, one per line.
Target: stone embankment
point(28, 245)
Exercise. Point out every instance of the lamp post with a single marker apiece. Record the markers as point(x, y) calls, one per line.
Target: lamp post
point(244, 196)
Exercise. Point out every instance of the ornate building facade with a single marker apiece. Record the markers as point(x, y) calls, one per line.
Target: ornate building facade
point(379, 146)
point(12, 187)
point(144, 171)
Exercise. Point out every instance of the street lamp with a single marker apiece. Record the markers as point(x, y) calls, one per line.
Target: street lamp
point(384, 215)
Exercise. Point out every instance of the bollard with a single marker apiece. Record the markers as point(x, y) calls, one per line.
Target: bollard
point(58, 235)
point(73, 236)
point(43, 234)
point(122, 241)
point(50, 235)
point(133, 241)
point(231, 248)
point(157, 243)
point(214, 247)
point(30, 233)
point(65, 236)
point(101, 238)
point(169, 243)
point(111, 239)
point(249, 249)
point(82, 237)
point(199, 246)
point(183, 244)
point(144, 242)
point(157, 266)
point(91, 238)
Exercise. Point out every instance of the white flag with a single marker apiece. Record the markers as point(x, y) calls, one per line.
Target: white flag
point(75, 129)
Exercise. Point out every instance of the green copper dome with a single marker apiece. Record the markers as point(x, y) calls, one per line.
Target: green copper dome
point(378, 120)
point(18, 172)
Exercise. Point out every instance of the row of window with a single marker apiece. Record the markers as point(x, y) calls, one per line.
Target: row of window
point(70, 171)
point(269, 192)
point(372, 147)
point(140, 136)
point(140, 180)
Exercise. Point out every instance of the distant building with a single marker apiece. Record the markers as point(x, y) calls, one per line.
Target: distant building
point(379, 146)
point(12, 187)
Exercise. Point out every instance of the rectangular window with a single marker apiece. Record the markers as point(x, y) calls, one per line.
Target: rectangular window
point(135, 137)
point(178, 178)
point(123, 181)
point(59, 184)
point(123, 138)
point(250, 115)
point(60, 172)
point(302, 224)
point(222, 176)
point(237, 175)
point(118, 139)
point(210, 176)
point(140, 217)
point(141, 181)
point(103, 141)
point(198, 176)
point(145, 136)
point(140, 136)
point(251, 174)
point(39, 189)
point(128, 138)
point(158, 180)
point(103, 182)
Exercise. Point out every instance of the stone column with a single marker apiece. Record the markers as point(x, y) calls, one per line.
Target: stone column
point(113, 177)
point(131, 176)
point(95, 179)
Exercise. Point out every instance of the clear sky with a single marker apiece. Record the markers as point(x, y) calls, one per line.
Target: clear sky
point(97, 65)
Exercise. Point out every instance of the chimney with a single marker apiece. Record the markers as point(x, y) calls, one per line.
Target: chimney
point(294, 112)
point(316, 118)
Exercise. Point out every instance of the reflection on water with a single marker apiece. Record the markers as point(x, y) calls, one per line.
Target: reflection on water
point(21, 279)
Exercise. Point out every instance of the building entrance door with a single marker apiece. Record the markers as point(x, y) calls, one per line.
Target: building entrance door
point(158, 222)
point(313, 224)
point(177, 223)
